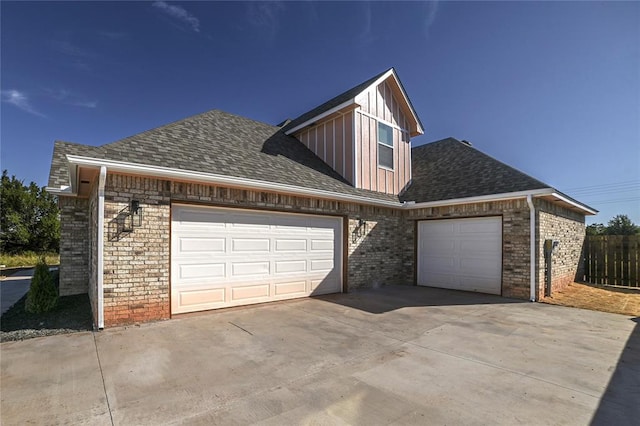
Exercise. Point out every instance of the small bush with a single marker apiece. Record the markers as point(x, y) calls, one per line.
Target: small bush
point(42, 296)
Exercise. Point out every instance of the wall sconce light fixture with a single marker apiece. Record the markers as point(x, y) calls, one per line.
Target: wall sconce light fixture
point(359, 231)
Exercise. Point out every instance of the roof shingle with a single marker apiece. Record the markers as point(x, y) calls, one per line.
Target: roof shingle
point(449, 169)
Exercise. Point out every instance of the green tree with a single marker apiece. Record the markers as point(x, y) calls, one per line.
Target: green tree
point(42, 296)
point(29, 217)
point(622, 225)
point(596, 229)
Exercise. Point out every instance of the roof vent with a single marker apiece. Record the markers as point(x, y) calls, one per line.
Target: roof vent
point(466, 142)
point(284, 123)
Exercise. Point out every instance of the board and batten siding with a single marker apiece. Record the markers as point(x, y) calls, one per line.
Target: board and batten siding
point(332, 141)
point(348, 141)
point(381, 104)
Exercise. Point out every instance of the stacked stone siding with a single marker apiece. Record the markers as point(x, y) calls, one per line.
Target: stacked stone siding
point(74, 247)
point(568, 228)
point(515, 238)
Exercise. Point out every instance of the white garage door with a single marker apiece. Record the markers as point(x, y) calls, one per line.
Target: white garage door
point(461, 254)
point(227, 257)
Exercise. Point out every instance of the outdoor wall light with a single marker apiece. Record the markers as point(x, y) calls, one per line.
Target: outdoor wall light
point(136, 213)
point(360, 230)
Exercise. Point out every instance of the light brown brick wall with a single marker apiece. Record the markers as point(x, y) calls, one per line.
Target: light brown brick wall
point(515, 238)
point(74, 246)
point(568, 228)
point(137, 264)
point(136, 272)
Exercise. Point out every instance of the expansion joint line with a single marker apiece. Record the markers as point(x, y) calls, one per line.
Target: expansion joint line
point(104, 385)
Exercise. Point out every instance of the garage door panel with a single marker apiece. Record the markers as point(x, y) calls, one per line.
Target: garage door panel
point(291, 288)
point(242, 269)
point(291, 245)
point(297, 266)
point(202, 270)
point(461, 254)
point(250, 245)
point(251, 257)
point(201, 245)
point(249, 292)
point(208, 297)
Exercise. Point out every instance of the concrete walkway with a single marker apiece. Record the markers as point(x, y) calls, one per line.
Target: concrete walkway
point(396, 355)
point(13, 287)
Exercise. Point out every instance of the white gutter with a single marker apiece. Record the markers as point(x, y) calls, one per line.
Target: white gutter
point(483, 198)
point(157, 171)
point(573, 203)
point(100, 278)
point(532, 249)
point(327, 113)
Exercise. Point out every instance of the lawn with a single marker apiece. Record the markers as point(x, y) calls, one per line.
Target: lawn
point(598, 298)
point(27, 259)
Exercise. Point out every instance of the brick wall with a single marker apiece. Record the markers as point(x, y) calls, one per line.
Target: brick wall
point(568, 228)
point(74, 247)
point(515, 238)
point(136, 264)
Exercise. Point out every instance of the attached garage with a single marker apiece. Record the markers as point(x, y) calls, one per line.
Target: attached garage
point(223, 257)
point(461, 254)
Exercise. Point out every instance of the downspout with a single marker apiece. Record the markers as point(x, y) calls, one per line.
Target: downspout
point(101, 182)
point(532, 249)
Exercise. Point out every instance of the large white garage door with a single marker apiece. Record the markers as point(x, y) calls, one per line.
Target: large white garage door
point(227, 257)
point(461, 254)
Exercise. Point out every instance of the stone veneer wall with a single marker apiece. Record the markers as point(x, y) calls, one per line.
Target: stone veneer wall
point(515, 238)
point(568, 228)
point(136, 264)
point(74, 247)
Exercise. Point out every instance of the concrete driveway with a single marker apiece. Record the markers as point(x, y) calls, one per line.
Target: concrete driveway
point(396, 355)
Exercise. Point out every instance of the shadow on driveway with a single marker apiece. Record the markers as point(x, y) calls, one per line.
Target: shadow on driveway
point(389, 298)
point(620, 404)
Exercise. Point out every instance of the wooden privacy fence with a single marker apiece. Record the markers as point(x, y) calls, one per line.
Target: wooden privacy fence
point(612, 260)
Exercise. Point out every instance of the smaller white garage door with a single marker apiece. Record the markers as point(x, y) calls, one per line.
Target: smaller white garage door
point(224, 257)
point(461, 254)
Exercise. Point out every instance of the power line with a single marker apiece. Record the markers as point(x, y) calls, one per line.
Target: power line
point(604, 185)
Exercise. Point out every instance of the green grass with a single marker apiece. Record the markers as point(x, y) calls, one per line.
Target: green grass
point(27, 259)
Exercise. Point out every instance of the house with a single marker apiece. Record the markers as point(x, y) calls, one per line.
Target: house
point(218, 210)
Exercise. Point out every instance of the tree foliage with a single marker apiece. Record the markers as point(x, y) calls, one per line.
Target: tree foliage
point(619, 225)
point(42, 296)
point(622, 225)
point(29, 217)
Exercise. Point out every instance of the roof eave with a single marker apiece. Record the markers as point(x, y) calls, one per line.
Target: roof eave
point(538, 193)
point(318, 117)
point(254, 184)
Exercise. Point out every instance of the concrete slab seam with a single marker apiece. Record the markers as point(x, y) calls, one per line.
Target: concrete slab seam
point(104, 385)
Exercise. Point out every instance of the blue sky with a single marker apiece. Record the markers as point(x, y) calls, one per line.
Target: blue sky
point(552, 89)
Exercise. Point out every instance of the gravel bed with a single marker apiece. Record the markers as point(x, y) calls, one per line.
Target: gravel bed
point(72, 314)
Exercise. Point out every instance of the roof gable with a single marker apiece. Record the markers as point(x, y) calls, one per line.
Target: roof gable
point(348, 98)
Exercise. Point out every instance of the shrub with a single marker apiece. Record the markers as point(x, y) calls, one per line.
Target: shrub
point(42, 296)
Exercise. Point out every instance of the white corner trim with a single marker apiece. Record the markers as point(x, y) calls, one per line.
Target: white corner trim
point(327, 113)
point(532, 249)
point(157, 171)
point(483, 198)
point(100, 272)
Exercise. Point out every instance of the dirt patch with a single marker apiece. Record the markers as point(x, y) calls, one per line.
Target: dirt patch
point(598, 298)
point(71, 314)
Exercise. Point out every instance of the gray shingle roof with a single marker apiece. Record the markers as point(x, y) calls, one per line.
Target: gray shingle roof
point(449, 169)
point(332, 103)
point(220, 143)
